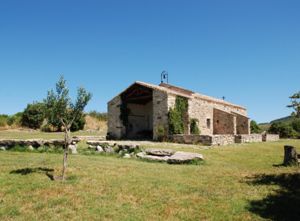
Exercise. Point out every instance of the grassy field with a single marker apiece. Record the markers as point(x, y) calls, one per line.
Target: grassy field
point(239, 182)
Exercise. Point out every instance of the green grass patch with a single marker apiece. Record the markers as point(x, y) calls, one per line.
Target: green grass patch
point(238, 182)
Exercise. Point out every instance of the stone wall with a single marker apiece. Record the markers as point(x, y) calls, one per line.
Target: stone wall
point(203, 113)
point(116, 130)
point(242, 124)
point(160, 113)
point(222, 140)
point(214, 140)
point(191, 139)
point(221, 106)
point(224, 123)
point(270, 137)
point(250, 138)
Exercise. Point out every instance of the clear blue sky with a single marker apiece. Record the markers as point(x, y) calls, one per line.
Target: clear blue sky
point(248, 51)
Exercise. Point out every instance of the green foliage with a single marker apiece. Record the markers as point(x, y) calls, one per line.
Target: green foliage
point(6, 120)
point(255, 129)
point(61, 111)
point(15, 119)
point(98, 115)
point(3, 120)
point(162, 134)
point(178, 116)
point(194, 127)
point(284, 130)
point(33, 115)
point(295, 104)
point(296, 124)
point(124, 112)
point(78, 123)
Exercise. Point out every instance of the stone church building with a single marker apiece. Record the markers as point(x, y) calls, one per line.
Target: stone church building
point(142, 109)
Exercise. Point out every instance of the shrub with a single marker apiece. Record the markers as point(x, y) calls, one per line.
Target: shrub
point(3, 120)
point(194, 127)
point(78, 123)
point(284, 130)
point(15, 119)
point(296, 124)
point(255, 129)
point(33, 115)
point(161, 133)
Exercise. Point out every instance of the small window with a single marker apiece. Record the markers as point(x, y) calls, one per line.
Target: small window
point(208, 123)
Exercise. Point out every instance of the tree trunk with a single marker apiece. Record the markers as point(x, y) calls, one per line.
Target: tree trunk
point(66, 152)
point(290, 156)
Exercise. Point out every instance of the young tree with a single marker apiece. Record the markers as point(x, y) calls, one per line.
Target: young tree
point(60, 106)
point(295, 104)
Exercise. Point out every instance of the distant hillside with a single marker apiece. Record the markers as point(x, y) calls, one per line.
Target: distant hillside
point(266, 126)
point(282, 120)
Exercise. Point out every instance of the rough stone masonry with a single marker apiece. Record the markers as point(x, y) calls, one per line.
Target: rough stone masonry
point(141, 112)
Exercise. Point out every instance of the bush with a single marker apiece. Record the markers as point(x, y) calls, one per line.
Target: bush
point(3, 120)
point(296, 124)
point(255, 129)
point(33, 115)
point(284, 130)
point(15, 119)
point(194, 127)
point(161, 133)
point(78, 123)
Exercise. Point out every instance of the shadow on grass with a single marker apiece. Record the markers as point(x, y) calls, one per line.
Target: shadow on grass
point(27, 171)
point(282, 205)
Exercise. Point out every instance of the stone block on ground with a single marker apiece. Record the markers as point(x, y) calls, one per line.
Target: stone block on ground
point(160, 152)
point(2, 149)
point(73, 149)
point(184, 157)
point(30, 147)
point(145, 156)
point(127, 156)
point(99, 149)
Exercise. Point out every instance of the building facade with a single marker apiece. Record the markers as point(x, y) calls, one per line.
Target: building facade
point(142, 110)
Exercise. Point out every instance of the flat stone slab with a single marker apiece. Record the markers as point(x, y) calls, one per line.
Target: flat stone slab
point(177, 158)
point(184, 157)
point(144, 156)
point(160, 152)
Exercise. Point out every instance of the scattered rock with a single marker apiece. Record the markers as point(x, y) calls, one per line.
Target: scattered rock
point(2, 149)
point(127, 156)
point(30, 147)
point(99, 149)
point(108, 149)
point(160, 152)
point(184, 157)
point(73, 149)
